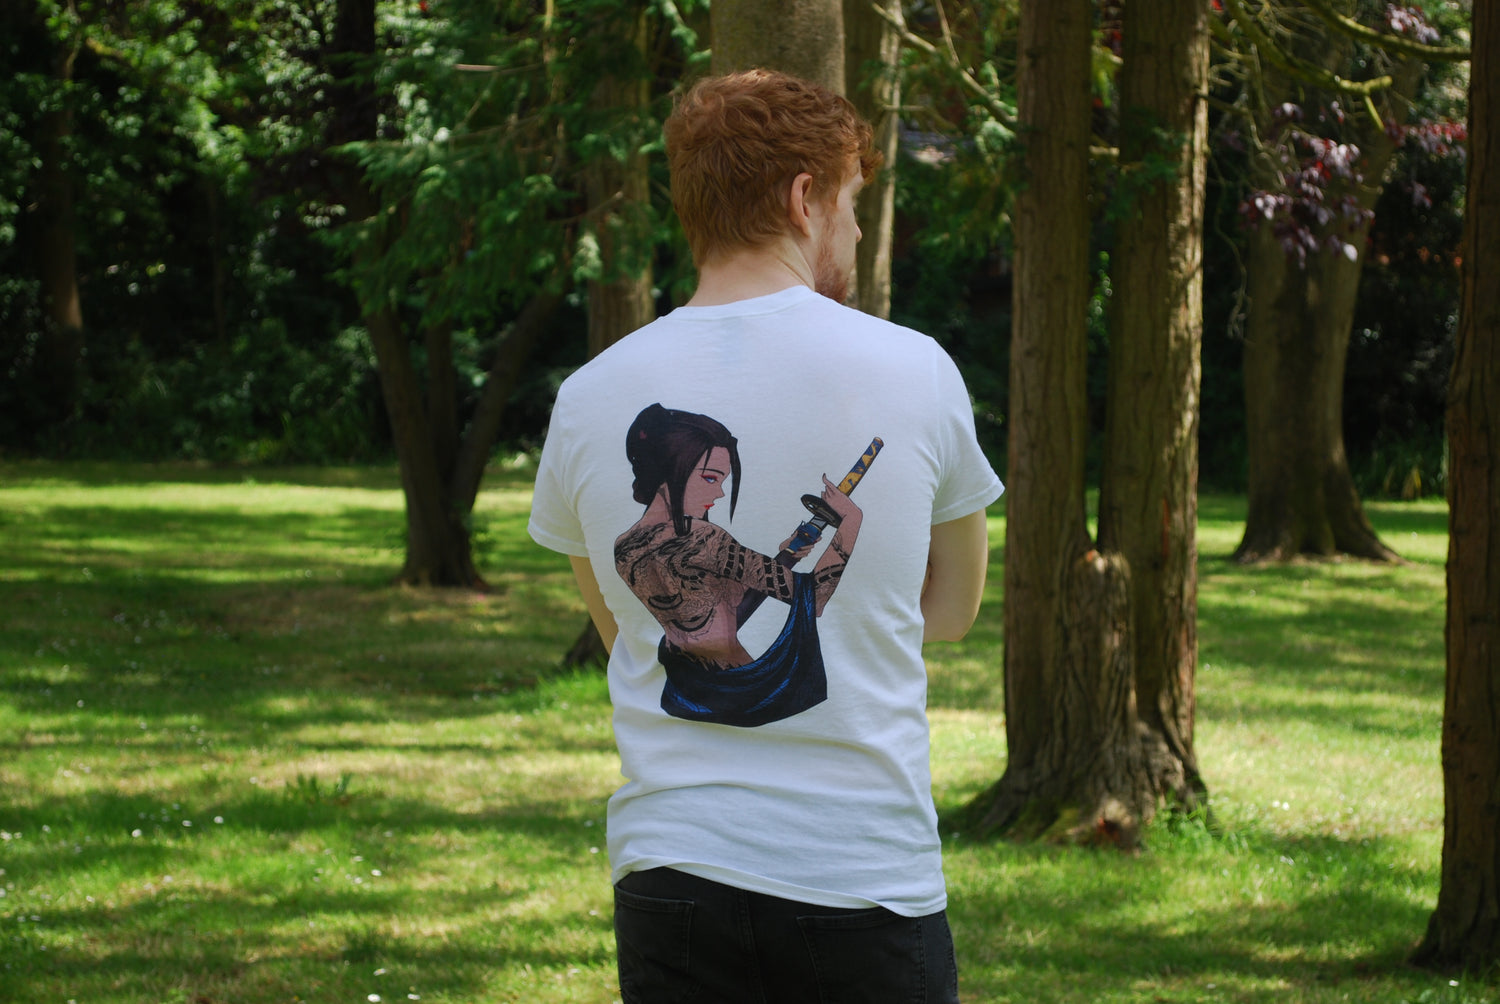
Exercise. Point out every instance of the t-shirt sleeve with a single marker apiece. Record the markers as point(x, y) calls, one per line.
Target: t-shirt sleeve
point(967, 482)
point(554, 522)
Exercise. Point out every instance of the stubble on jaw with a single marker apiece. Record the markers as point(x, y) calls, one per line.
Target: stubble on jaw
point(827, 278)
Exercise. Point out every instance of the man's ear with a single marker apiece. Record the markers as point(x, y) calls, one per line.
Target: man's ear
point(799, 204)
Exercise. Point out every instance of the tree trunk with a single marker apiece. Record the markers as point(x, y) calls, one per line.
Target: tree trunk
point(511, 354)
point(60, 348)
point(619, 194)
point(1148, 508)
point(1464, 930)
point(442, 395)
point(802, 37)
point(872, 53)
point(620, 301)
point(437, 538)
point(423, 427)
point(1302, 499)
point(1074, 759)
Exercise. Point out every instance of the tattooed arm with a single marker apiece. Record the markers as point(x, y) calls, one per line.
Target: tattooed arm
point(720, 554)
point(830, 567)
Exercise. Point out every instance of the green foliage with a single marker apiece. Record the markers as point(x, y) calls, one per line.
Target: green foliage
point(210, 328)
point(1405, 323)
point(482, 184)
point(955, 182)
point(213, 327)
point(210, 234)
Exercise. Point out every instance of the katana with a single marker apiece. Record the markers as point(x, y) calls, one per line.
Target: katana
point(809, 532)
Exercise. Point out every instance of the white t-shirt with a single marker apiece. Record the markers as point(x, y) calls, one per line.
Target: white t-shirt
point(803, 774)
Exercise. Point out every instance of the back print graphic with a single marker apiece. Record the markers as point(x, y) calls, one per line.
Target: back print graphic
point(702, 585)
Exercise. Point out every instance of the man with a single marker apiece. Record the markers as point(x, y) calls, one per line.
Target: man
point(775, 840)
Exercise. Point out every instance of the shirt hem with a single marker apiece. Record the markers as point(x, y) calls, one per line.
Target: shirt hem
point(556, 542)
point(789, 891)
point(973, 503)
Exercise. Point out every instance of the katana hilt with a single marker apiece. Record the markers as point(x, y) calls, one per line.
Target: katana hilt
point(824, 516)
point(809, 533)
point(821, 510)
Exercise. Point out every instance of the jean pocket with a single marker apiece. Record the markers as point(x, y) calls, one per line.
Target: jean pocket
point(652, 939)
point(873, 957)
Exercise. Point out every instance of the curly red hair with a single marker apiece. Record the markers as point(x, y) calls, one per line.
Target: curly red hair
point(734, 144)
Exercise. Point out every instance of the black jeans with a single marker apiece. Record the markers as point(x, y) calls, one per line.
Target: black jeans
point(687, 940)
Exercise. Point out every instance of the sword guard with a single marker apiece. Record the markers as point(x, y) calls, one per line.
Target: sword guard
point(822, 510)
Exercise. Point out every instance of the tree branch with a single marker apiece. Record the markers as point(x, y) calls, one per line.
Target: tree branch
point(949, 59)
point(1301, 70)
point(1393, 43)
point(515, 345)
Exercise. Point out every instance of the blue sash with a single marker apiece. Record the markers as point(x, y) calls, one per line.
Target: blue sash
point(786, 680)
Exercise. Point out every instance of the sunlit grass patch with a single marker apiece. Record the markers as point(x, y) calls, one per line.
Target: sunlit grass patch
point(396, 792)
point(1319, 712)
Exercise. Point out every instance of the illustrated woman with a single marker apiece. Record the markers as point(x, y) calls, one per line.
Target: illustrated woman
point(691, 573)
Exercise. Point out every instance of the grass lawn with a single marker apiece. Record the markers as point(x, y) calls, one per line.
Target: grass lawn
point(238, 767)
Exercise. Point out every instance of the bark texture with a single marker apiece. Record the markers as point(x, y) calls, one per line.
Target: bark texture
point(1464, 930)
point(1302, 499)
point(1069, 717)
point(1148, 509)
point(802, 37)
point(620, 300)
point(1085, 633)
point(438, 550)
point(872, 50)
point(619, 194)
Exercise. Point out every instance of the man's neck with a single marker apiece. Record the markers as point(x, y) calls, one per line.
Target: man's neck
point(752, 272)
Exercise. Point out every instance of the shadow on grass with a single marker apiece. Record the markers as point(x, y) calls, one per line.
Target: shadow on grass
point(1355, 657)
point(177, 545)
point(199, 623)
point(49, 831)
point(1429, 516)
point(148, 610)
point(1286, 914)
point(275, 889)
point(1392, 521)
point(221, 946)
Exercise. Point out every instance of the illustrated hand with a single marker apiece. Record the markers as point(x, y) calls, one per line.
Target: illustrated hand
point(800, 553)
point(841, 503)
